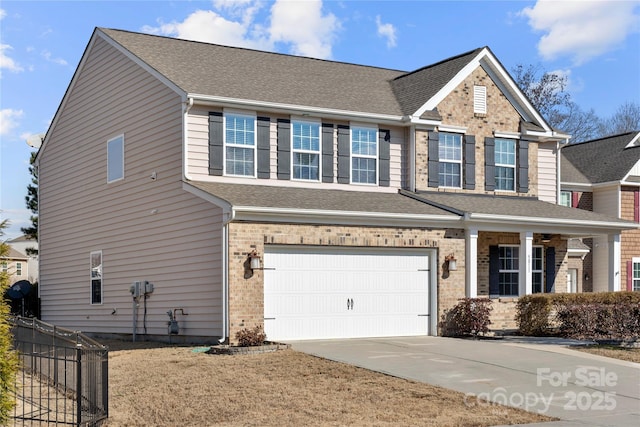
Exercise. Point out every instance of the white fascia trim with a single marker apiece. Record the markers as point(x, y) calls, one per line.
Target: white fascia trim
point(299, 110)
point(451, 85)
point(253, 213)
point(576, 186)
point(227, 209)
point(569, 223)
point(423, 123)
point(634, 142)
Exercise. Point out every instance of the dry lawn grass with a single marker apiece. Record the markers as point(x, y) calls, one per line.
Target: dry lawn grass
point(171, 386)
point(628, 354)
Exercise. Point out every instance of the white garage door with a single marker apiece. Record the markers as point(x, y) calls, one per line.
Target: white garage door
point(313, 293)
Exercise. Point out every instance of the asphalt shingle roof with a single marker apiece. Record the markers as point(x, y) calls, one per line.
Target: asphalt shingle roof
point(264, 196)
point(526, 207)
point(209, 69)
point(599, 160)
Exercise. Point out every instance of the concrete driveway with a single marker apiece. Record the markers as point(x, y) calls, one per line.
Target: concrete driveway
point(539, 375)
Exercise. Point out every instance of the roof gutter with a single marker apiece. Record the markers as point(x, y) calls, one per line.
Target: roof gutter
point(278, 107)
point(553, 222)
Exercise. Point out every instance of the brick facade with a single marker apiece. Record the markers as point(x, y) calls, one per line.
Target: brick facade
point(246, 290)
point(457, 110)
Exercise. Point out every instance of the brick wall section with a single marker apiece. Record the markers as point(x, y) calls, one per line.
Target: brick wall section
point(503, 313)
point(246, 291)
point(630, 239)
point(457, 110)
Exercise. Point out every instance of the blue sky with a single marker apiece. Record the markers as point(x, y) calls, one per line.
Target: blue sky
point(596, 44)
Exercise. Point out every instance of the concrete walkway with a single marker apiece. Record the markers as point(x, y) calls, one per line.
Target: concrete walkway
point(539, 375)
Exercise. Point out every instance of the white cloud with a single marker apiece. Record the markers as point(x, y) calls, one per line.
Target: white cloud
point(302, 24)
point(299, 24)
point(6, 62)
point(9, 120)
point(47, 55)
point(388, 31)
point(582, 30)
point(3, 13)
point(208, 26)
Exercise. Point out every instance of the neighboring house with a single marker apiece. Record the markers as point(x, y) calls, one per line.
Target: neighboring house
point(21, 244)
point(16, 265)
point(367, 200)
point(603, 175)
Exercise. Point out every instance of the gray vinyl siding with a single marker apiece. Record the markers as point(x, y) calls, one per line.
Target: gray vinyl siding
point(146, 229)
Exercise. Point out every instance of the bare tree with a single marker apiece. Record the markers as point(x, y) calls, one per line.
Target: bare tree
point(625, 119)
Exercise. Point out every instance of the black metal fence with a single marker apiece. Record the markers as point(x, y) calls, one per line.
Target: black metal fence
point(63, 377)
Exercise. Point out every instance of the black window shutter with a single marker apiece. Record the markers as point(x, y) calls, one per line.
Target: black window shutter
point(284, 149)
point(327, 152)
point(344, 166)
point(489, 164)
point(216, 148)
point(263, 145)
point(494, 271)
point(384, 155)
point(523, 166)
point(433, 151)
point(469, 162)
point(550, 269)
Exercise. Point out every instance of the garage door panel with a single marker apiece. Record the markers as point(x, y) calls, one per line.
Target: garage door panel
point(308, 293)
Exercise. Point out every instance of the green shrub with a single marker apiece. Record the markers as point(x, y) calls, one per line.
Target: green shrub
point(8, 357)
point(251, 337)
point(470, 317)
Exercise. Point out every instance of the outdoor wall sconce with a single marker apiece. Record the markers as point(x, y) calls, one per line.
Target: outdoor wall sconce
point(451, 262)
point(254, 260)
point(546, 238)
point(587, 277)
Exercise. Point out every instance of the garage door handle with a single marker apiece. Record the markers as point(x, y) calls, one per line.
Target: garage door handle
point(349, 304)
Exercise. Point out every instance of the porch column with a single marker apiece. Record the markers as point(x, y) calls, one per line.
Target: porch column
point(471, 263)
point(526, 253)
point(614, 262)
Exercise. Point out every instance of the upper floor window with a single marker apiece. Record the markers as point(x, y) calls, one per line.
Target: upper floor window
point(306, 150)
point(240, 143)
point(4, 266)
point(505, 164)
point(18, 269)
point(480, 99)
point(450, 160)
point(635, 280)
point(364, 155)
point(115, 158)
point(565, 198)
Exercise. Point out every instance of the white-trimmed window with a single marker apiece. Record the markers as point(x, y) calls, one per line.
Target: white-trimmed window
point(635, 284)
point(305, 152)
point(537, 270)
point(18, 269)
point(4, 266)
point(364, 155)
point(505, 164)
point(115, 158)
point(565, 198)
point(240, 144)
point(95, 262)
point(450, 160)
point(480, 99)
point(509, 270)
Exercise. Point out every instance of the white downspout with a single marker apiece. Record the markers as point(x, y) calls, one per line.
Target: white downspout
point(228, 217)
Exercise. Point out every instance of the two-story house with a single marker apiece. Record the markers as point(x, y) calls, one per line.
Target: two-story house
point(16, 265)
point(320, 199)
point(603, 175)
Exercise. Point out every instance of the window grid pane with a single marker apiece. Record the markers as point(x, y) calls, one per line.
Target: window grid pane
point(306, 151)
point(364, 142)
point(364, 170)
point(450, 160)
point(636, 276)
point(537, 268)
point(240, 143)
point(509, 274)
point(505, 162)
